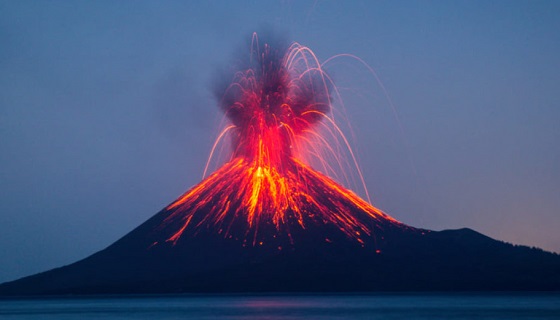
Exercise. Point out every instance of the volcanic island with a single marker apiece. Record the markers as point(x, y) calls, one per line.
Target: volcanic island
point(267, 221)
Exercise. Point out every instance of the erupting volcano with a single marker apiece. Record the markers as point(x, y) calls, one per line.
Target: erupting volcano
point(266, 220)
point(265, 194)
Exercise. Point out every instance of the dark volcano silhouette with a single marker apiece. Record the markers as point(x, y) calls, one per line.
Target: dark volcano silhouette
point(267, 222)
point(314, 256)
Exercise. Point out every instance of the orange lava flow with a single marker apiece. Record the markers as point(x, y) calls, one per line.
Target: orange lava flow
point(266, 190)
point(244, 195)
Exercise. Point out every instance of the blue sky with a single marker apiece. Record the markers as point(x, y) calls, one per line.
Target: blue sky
point(107, 112)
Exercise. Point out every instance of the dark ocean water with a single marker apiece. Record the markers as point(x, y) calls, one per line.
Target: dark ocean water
point(379, 306)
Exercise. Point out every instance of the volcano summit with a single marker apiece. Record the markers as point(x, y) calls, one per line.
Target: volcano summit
point(266, 221)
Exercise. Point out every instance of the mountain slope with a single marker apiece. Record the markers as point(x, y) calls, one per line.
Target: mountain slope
point(447, 260)
point(306, 252)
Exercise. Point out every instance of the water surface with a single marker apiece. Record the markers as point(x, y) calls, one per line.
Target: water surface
point(273, 307)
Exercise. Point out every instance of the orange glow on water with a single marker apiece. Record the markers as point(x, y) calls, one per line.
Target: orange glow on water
point(274, 105)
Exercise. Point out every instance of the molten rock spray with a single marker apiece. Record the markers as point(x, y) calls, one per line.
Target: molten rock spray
point(267, 193)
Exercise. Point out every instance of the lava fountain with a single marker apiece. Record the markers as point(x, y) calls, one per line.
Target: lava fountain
point(267, 192)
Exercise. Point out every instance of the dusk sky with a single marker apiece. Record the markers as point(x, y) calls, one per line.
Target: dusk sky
point(107, 112)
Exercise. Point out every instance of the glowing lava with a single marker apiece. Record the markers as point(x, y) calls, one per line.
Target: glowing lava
point(267, 191)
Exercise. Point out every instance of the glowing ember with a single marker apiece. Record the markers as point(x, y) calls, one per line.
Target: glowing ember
point(267, 190)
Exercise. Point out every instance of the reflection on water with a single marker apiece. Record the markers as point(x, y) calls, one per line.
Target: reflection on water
point(273, 307)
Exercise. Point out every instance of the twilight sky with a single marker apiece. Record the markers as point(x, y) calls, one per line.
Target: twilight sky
point(107, 112)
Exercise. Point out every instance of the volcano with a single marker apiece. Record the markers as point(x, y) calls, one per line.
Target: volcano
point(267, 221)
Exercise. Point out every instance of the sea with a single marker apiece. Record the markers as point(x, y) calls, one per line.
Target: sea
point(477, 306)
